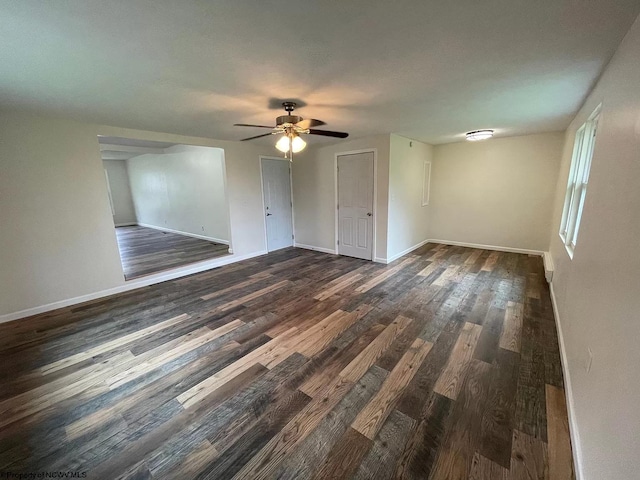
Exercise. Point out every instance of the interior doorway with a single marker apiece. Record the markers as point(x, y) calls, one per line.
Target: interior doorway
point(355, 178)
point(278, 203)
point(168, 201)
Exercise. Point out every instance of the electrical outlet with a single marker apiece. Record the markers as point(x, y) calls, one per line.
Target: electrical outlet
point(203, 228)
point(589, 360)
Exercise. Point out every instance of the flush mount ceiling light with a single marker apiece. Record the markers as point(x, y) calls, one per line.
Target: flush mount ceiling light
point(479, 135)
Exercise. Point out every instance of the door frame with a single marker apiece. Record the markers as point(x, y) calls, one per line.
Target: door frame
point(374, 255)
point(264, 218)
point(227, 198)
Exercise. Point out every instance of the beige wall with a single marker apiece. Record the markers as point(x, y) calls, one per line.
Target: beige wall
point(408, 218)
point(57, 240)
point(597, 293)
point(497, 192)
point(314, 192)
point(123, 210)
point(182, 190)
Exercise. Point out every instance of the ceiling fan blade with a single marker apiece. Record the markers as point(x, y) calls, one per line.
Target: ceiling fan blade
point(249, 125)
point(309, 123)
point(257, 136)
point(328, 133)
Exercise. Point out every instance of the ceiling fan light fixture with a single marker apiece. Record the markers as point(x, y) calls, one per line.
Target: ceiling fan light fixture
point(283, 144)
point(477, 135)
point(295, 144)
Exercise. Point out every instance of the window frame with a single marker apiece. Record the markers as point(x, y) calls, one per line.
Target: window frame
point(578, 181)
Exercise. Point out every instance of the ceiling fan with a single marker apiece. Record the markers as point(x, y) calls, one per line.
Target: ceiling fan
point(291, 127)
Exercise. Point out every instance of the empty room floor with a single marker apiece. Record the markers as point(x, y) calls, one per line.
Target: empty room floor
point(145, 250)
point(441, 365)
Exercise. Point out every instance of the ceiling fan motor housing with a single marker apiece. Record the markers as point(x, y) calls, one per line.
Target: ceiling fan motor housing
point(292, 119)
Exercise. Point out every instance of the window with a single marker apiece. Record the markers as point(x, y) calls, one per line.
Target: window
point(578, 179)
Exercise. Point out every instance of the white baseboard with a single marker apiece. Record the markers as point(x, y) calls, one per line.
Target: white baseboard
point(408, 250)
point(317, 249)
point(487, 247)
point(188, 234)
point(573, 424)
point(126, 224)
point(548, 266)
point(376, 259)
point(430, 240)
point(133, 284)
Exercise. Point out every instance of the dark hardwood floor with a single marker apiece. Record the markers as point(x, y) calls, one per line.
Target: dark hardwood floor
point(145, 250)
point(298, 364)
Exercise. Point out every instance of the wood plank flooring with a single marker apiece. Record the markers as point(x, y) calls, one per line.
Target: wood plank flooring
point(443, 365)
point(145, 250)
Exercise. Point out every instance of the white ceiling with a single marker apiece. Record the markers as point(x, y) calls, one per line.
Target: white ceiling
point(427, 69)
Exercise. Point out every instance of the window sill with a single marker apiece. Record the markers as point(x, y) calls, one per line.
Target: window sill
point(569, 249)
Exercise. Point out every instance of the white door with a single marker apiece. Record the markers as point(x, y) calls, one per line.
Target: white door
point(355, 205)
point(276, 186)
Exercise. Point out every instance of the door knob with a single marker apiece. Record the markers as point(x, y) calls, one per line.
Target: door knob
point(269, 214)
point(369, 214)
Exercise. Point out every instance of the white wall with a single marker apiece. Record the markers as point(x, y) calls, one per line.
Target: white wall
point(124, 212)
point(314, 204)
point(57, 240)
point(182, 190)
point(496, 192)
point(598, 292)
point(408, 218)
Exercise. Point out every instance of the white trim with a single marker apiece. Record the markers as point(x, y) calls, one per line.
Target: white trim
point(426, 185)
point(293, 212)
point(487, 247)
point(133, 284)
point(317, 249)
point(424, 242)
point(187, 234)
point(375, 197)
point(113, 209)
point(126, 224)
point(293, 225)
point(336, 223)
point(227, 202)
point(573, 422)
point(109, 147)
point(374, 246)
point(264, 208)
point(547, 260)
point(408, 250)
